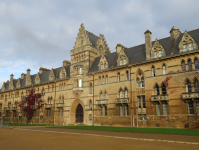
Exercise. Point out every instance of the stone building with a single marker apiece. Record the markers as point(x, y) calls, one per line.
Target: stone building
point(155, 84)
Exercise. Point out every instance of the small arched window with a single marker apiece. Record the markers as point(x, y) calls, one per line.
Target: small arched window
point(90, 105)
point(63, 99)
point(160, 53)
point(153, 71)
point(103, 79)
point(196, 64)
point(91, 89)
point(101, 66)
point(142, 81)
point(164, 90)
point(121, 94)
point(101, 96)
point(126, 93)
point(118, 77)
point(196, 86)
point(164, 69)
point(127, 75)
point(138, 83)
point(99, 80)
point(190, 65)
point(183, 66)
point(121, 62)
point(125, 61)
point(155, 54)
point(188, 87)
point(184, 47)
point(106, 95)
point(106, 79)
point(59, 99)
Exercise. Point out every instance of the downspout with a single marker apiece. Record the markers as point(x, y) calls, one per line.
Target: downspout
point(54, 104)
point(132, 120)
point(93, 99)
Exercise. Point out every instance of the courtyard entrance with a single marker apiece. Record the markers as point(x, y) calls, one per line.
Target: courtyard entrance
point(79, 114)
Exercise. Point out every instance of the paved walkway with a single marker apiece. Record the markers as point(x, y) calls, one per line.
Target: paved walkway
point(188, 139)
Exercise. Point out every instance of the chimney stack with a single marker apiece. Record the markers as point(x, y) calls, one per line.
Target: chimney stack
point(66, 63)
point(174, 32)
point(119, 47)
point(148, 44)
point(23, 75)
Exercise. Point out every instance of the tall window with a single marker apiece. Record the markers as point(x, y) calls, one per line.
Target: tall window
point(105, 66)
point(190, 108)
point(120, 62)
point(143, 102)
point(183, 66)
point(190, 46)
point(138, 82)
point(106, 79)
point(139, 102)
point(101, 96)
point(185, 47)
point(118, 77)
point(101, 111)
point(188, 87)
point(160, 53)
point(142, 81)
point(196, 64)
point(196, 86)
point(124, 61)
point(164, 69)
point(158, 109)
point(91, 89)
point(155, 54)
point(101, 66)
point(105, 111)
point(190, 65)
point(121, 94)
point(126, 110)
point(164, 90)
point(80, 82)
point(165, 109)
point(153, 71)
point(80, 70)
point(106, 95)
point(121, 110)
point(157, 92)
point(63, 99)
point(90, 105)
point(127, 75)
point(197, 107)
point(99, 80)
point(103, 79)
point(126, 93)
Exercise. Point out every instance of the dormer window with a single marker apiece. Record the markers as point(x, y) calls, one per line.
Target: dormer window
point(190, 46)
point(101, 66)
point(124, 61)
point(160, 53)
point(105, 66)
point(155, 54)
point(184, 47)
point(121, 62)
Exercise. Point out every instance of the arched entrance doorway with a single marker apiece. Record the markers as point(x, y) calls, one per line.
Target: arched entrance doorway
point(79, 114)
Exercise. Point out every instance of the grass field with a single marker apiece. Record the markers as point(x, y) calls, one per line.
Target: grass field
point(131, 129)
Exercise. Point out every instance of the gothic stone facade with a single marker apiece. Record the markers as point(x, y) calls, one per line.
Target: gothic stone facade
point(155, 84)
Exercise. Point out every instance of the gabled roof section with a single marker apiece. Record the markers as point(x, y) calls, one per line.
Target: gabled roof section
point(92, 38)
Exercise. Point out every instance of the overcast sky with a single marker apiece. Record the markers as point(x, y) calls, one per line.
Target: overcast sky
point(41, 33)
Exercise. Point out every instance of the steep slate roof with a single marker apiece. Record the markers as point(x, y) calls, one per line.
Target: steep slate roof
point(138, 54)
point(92, 38)
point(44, 77)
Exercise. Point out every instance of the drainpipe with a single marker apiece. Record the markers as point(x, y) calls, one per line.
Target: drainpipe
point(54, 103)
point(132, 120)
point(93, 99)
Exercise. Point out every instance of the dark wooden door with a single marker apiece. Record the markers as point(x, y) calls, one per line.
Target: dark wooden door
point(79, 114)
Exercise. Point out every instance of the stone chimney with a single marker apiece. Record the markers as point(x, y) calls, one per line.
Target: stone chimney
point(119, 47)
point(66, 63)
point(23, 75)
point(174, 32)
point(41, 70)
point(28, 78)
point(148, 44)
point(11, 85)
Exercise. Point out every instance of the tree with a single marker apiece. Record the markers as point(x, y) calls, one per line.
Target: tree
point(30, 103)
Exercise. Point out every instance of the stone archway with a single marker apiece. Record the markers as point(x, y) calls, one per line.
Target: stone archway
point(79, 114)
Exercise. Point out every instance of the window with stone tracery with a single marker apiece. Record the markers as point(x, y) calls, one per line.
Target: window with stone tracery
point(140, 80)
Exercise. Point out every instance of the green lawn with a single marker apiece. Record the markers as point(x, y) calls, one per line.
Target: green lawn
point(22, 124)
point(132, 129)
